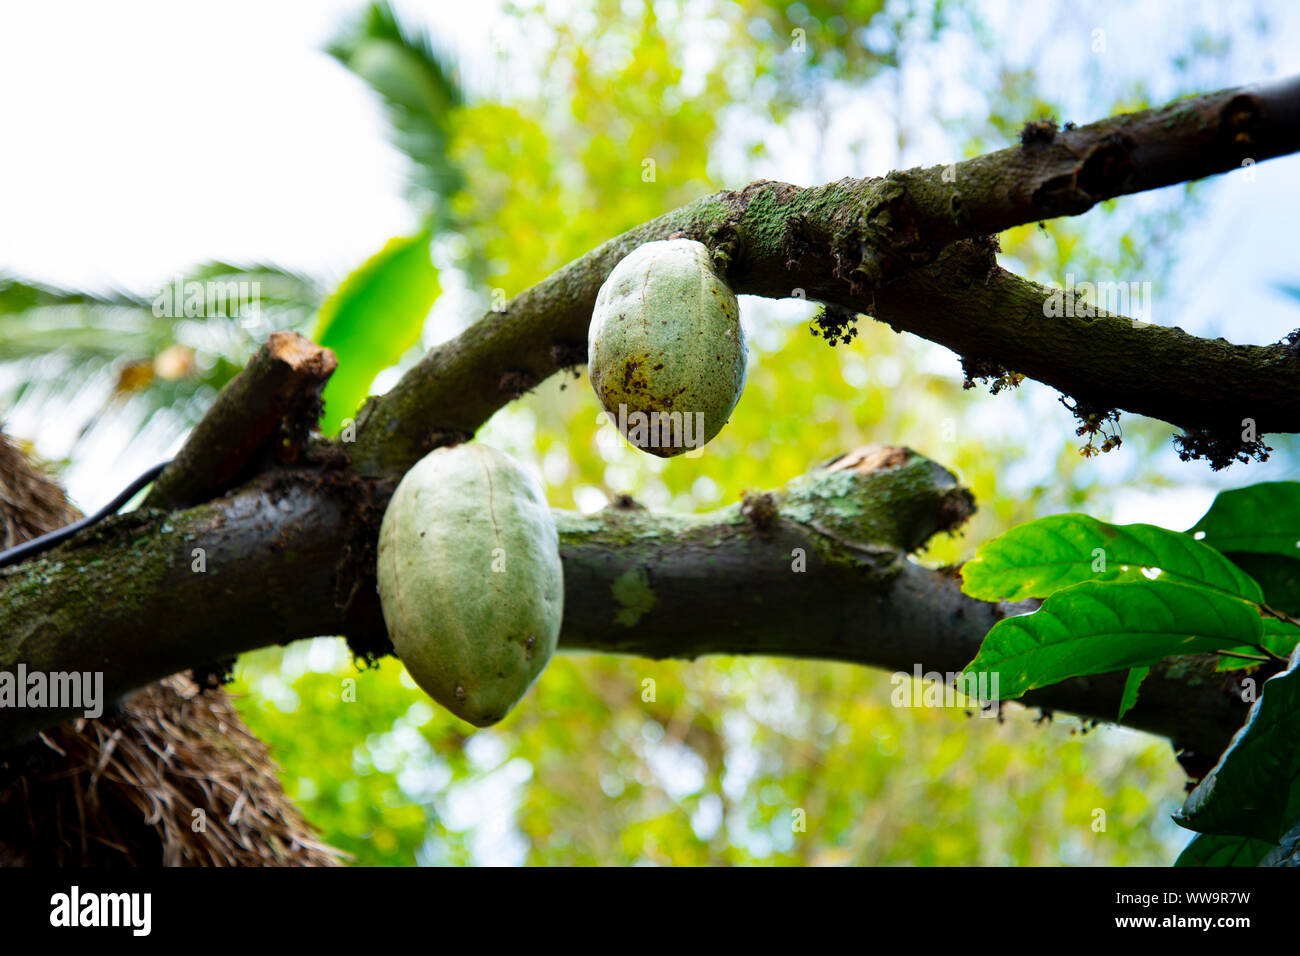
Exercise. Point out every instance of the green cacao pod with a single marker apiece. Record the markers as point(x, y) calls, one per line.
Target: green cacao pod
point(470, 580)
point(665, 349)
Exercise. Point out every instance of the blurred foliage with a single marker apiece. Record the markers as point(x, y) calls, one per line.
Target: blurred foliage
point(587, 771)
point(154, 362)
point(150, 360)
point(420, 91)
point(377, 313)
point(626, 111)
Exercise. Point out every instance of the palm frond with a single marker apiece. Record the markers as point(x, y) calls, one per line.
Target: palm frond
point(419, 86)
point(150, 359)
point(18, 295)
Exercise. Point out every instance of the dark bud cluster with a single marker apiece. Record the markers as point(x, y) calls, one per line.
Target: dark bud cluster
point(835, 324)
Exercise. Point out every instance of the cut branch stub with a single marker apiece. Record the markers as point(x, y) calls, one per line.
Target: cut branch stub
point(882, 494)
point(266, 411)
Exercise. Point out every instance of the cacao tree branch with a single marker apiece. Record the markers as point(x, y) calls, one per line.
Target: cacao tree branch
point(1066, 172)
point(817, 569)
point(857, 242)
point(979, 310)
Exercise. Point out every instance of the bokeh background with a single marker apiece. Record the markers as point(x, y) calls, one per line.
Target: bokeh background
point(292, 144)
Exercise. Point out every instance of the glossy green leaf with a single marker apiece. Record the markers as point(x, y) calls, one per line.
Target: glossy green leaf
point(1263, 518)
point(1254, 790)
point(1095, 628)
point(1212, 849)
point(1131, 684)
point(1280, 637)
point(373, 318)
point(1042, 557)
point(1277, 575)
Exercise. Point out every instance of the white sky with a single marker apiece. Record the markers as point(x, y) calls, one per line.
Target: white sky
point(143, 137)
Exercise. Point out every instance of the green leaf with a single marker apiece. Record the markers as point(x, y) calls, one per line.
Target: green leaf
point(1263, 518)
point(18, 296)
point(1278, 576)
point(1212, 849)
point(1254, 790)
point(276, 287)
point(1095, 628)
point(1280, 579)
point(373, 317)
point(1131, 684)
point(1280, 637)
point(1041, 557)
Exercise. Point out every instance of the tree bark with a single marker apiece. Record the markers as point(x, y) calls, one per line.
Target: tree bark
point(286, 558)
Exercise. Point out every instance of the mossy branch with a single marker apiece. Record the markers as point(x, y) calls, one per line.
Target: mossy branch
point(858, 243)
point(816, 569)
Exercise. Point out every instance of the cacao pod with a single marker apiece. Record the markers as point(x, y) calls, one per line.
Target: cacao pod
point(665, 349)
point(470, 580)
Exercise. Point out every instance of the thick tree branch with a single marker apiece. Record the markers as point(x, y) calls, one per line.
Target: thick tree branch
point(814, 570)
point(1067, 172)
point(857, 242)
point(966, 302)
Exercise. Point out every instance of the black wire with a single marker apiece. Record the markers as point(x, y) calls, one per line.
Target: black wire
point(35, 546)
